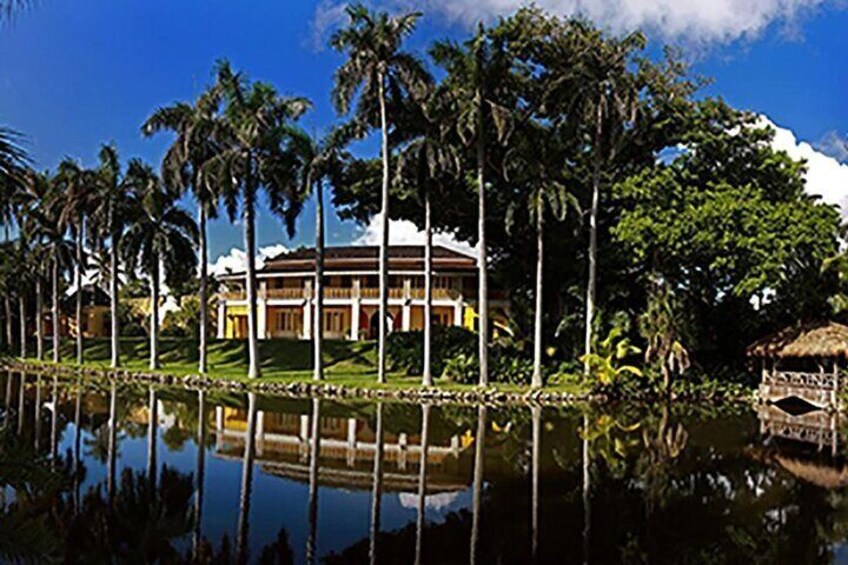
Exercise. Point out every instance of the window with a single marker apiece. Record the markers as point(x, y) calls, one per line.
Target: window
point(443, 282)
point(333, 322)
point(441, 318)
point(286, 321)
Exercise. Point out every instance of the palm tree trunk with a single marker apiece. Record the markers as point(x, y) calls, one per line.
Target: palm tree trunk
point(318, 325)
point(246, 481)
point(204, 300)
point(56, 355)
point(39, 321)
point(113, 301)
point(22, 316)
point(154, 314)
point(477, 484)
point(593, 241)
point(79, 294)
point(427, 373)
point(384, 236)
point(377, 490)
point(250, 283)
point(422, 482)
point(482, 262)
point(537, 327)
point(314, 452)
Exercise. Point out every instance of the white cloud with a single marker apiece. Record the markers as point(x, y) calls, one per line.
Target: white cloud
point(689, 21)
point(826, 177)
point(404, 232)
point(236, 260)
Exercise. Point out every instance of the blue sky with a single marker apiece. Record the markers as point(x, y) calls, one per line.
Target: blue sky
point(76, 74)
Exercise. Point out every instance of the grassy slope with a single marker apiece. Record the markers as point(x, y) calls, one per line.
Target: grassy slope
point(346, 363)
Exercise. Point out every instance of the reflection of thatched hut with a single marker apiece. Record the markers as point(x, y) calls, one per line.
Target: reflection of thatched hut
point(819, 474)
point(803, 361)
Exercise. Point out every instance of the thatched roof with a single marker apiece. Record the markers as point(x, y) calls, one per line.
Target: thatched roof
point(823, 339)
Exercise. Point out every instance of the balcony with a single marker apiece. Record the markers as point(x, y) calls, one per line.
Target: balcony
point(284, 293)
point(338, 293)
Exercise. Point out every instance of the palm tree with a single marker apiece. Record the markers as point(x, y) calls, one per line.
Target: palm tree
point(377, 68)
point(478, 76)
point(162, 235)
point(182, 167)
point(537, 162)
point(78, 185)
point(317, 162)
point(252, 156)
point(13, 168)
point(114, 206)
point(608, 102)
point(33, 199)
point(424, 162)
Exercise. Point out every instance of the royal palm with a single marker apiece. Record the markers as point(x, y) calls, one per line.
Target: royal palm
point(252, 157)
point(377, 67)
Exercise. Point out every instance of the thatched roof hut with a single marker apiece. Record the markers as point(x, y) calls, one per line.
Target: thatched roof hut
point(823, 339)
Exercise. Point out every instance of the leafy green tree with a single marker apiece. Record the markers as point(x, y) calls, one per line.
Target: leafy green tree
point(253, 157)
point(377, 69)
point(727, 226)
point(162, 235)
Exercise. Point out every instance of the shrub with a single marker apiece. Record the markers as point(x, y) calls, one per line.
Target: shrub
point(405, 350)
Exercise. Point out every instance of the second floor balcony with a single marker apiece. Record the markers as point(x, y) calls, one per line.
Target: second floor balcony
point(343, 293)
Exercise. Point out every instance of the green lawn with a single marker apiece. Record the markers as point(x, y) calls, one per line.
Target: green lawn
point(346, 363)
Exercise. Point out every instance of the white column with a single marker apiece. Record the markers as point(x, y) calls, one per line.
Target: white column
point(261, 318)
point(457, 312)
point(307, 310)
point(354, 310)
point(222, 318)
point(405, 316)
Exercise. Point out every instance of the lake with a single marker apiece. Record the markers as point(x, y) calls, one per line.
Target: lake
point(94, 471)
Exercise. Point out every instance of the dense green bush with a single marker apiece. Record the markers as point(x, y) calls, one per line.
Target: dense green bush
point(406, 349)
point(455, 357)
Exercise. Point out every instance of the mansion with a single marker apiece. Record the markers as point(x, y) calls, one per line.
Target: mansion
point(351, 294)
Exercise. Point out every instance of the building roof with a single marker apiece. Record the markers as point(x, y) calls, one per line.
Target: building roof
point(357, 258)
point(821, 339)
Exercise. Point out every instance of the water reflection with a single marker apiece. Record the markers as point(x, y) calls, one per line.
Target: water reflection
point(167, 474)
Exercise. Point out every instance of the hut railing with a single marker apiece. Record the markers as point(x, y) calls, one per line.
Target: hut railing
point(800, 379)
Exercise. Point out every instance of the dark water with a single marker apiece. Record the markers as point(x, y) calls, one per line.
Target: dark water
point(329, 482)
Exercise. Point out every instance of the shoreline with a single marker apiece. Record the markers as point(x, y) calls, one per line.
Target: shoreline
point(491, 396)
point(298, 389)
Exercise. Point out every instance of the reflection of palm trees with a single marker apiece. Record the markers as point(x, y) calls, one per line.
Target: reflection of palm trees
point(113, 442)
point(54, 420)
point(478, 481)
point(152, 424)
point(587, 500)
point(21, 404)
point(314, 452)
point(536, 414)
point(246, 480)
point(37, 411)
point(422, 480)
point(8, 399)
point(77, 442)
point(201, 468)
point(377, 494)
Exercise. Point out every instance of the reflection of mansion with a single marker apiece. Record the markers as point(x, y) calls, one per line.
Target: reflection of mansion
point(347, 447)
point(351, 293)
